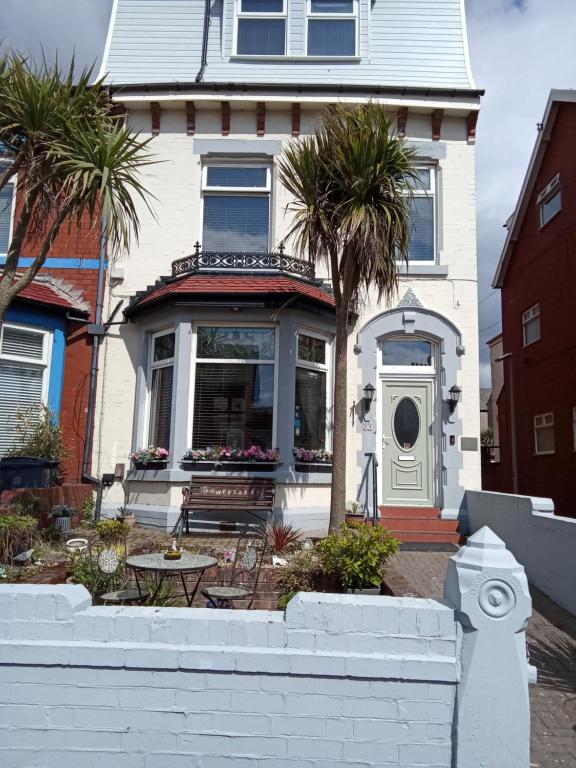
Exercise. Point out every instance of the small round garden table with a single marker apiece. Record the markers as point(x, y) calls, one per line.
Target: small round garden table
point(175, 569)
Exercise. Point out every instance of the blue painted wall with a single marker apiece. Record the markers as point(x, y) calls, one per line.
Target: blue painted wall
point(55, 322)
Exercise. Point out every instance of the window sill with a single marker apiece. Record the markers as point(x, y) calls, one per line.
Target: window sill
point(414, 269)
point(544, 453)
point(315, 59)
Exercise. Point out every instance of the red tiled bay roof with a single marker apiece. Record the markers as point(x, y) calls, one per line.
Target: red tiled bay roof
point(53, 293)
point(235, 284)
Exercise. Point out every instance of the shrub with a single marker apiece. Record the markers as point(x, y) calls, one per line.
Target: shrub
point(282, 536)
point(87, 509)
point(17, 534)
point(86, 571)
point(38, 434)
point(356, 555)
point(112, 532)
point(300, 575)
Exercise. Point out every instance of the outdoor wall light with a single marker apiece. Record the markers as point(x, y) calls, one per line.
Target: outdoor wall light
point(454, 397)
point(369, 391)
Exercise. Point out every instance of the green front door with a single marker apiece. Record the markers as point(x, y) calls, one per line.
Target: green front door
point(407, 444)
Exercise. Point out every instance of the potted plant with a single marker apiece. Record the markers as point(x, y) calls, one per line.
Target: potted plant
point(354, 510)
point(224, 457)
point(150, 458)
point(61, 515)
point(312, 460)
point(38, 449)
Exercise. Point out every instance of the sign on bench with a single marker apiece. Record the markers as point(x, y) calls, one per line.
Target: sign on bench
point(254, 495)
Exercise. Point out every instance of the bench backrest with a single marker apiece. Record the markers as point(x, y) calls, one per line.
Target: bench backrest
point(250, 494)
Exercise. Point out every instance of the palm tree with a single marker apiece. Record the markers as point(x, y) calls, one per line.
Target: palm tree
point(351, 184)
point(72, 159)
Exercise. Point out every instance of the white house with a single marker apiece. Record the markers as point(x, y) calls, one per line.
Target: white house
point(230, 341)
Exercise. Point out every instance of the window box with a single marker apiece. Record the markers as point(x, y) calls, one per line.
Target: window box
point(313, 466)
point(229, 466)
point(151, 464)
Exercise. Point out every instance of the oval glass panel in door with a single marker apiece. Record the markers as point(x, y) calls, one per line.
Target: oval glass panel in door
point(406, 423)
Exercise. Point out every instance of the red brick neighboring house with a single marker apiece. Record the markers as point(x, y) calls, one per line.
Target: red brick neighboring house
point(71, 269)
point(537, 278)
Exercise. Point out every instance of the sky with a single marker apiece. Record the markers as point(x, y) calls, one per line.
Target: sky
point(520, 49)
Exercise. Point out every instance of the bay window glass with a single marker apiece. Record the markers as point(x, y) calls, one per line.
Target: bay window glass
point(311, 393)
point(234, 387)
point(261, 28)
point(236, 209)
point(161, 385)
point(24, 373)
point(332, 27)
point(423, 215)
point(6, 206)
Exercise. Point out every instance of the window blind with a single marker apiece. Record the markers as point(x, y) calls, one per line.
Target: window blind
point(22, 343)
point(310, 416)
point(6, 195)
point(20, 388)
point(235, 223)
point(233, 405)
point(161, 407)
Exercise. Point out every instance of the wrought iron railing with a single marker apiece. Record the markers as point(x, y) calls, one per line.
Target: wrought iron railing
point(241, 261)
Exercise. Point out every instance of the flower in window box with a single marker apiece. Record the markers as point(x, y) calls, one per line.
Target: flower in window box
point(310, 456)
point(150, 458)
point(224, 453)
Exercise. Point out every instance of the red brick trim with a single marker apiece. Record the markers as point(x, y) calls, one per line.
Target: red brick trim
point(156, 112)
point(295, 119)
point(471, 122)
point(225, 112)
point(437, 117)
point(190, 118)
point(401, 120)
point(260, 118)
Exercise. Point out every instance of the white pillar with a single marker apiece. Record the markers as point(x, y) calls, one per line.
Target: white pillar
point(489, 590)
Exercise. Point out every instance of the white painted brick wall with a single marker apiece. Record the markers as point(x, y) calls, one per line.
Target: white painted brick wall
point(338, 681)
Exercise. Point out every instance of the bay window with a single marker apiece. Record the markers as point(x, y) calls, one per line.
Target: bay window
point(236, 208)
point(24, 375)
point(6, 213)
point(332, 27)
point(234, 387)
point(422, 248)
point(161, 385)
point(261, 27)
point(311, 392)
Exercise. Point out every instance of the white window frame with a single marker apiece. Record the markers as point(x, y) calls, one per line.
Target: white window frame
point(355, 16)
point(238, 191)
point(152, 366)
point(240, 14)
point(404, 370)
point(543, 421)
point(13, 182)
point(432, 191)
point(234, 361)
point(532, 313)
point(325, 367)
point(550, 191)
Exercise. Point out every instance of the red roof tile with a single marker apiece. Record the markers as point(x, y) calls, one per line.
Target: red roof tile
point(235, 284)
point(43, 293)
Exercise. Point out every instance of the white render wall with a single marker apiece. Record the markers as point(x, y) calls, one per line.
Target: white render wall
point(337, 681)
point(176, 183)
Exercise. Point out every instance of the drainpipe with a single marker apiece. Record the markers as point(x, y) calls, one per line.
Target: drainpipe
point(204, 59)
point(97, 331)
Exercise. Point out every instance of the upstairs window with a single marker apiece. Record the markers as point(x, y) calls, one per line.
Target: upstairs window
point(550, 201)
point(161, 381)
point(236, 208)
point(332, 27)
point(544, 433)
point(531, 325)
point(6, 213)
point(311, 392)
point(422, 247)
point(261, 27)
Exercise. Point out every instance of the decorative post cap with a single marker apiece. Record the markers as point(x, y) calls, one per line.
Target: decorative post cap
point(487, 585)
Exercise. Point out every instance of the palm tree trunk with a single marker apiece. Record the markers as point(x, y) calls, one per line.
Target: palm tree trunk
point(340, 421)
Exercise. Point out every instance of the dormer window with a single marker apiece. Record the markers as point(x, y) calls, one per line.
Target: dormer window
point(261, 27)
point(332, 27)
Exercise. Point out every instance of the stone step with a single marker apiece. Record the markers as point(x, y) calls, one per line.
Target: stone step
point(443, 537)
point(419, 524)
point(388, 511)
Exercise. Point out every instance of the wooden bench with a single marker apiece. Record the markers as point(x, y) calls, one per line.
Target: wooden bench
point(254, 495)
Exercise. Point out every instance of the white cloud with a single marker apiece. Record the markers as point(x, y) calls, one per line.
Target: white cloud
point(519, 52)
